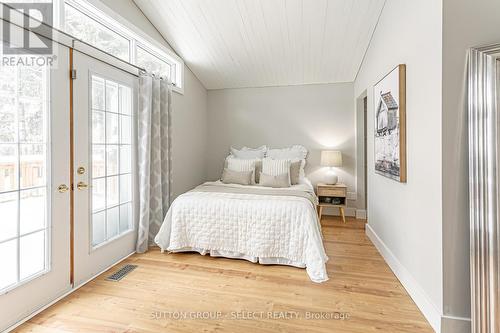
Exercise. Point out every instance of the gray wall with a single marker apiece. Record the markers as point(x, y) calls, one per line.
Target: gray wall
point(406, 218)
point(317, 116)
point(189, 118)
point(465, 24)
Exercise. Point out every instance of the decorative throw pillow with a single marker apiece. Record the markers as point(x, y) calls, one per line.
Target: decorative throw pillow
point(249, 153)
point(238, 164)
point(258, 167)
point(282, 180)
point(236, 177)
point(275, 167)
point(295, 175)
point(294, 153)
point(258, 170)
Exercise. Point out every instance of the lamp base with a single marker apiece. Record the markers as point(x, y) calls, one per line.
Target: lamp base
point(331, 178)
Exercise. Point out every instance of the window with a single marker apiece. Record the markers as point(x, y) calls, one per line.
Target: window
point(89, 24)
point(23, 162)
point(111, 159)
point(152, 63)
point(90, 31)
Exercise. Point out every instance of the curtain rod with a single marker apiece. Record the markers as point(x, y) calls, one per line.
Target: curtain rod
point(71, 44)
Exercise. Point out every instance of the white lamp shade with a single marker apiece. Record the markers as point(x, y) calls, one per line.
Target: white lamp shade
point(331, 158)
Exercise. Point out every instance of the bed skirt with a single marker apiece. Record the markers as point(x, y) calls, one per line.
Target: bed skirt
point(236, 255)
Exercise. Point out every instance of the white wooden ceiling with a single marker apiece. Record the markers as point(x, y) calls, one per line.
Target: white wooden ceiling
point(254, 43)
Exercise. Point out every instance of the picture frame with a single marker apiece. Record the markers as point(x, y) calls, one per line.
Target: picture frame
point(389, 96)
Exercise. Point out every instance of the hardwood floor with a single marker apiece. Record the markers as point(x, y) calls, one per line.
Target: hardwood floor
point(362, 290)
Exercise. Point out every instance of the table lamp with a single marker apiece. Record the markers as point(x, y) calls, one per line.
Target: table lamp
point(331, 159)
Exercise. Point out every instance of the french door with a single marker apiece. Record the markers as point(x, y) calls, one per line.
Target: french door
point(34, 187)
point(104, 116)
point(36, 183)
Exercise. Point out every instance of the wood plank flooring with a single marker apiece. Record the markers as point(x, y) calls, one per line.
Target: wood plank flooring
point(194, 293)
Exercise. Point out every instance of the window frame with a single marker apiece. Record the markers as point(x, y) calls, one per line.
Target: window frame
point(155, 54)
point(96, 10)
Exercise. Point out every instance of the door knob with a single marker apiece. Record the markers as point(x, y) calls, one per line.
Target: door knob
point(81, 186)
point(62, 188)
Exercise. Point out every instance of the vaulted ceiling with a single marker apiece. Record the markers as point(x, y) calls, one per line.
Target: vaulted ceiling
point(254, 43)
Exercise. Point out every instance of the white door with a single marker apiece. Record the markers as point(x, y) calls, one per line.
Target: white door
point(34, 187)
point(104, 116)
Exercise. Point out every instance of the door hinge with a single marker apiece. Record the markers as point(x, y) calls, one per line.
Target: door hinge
point(73, 74)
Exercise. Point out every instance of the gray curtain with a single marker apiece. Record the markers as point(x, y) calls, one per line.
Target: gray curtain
point(154, 149)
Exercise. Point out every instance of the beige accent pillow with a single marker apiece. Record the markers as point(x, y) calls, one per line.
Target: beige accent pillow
point(282, 180)
point(239, 164)
point(258, 170)
point(236, 177)
point(295, 172)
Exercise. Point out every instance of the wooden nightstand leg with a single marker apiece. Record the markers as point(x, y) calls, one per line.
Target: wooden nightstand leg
point(342, 213)
point(320, 212)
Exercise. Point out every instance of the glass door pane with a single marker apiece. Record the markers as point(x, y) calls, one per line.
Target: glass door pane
point(111, 159)
point(24, 173)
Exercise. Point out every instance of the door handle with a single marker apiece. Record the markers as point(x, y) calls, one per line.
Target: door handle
point(81, 186)
point(62, 188)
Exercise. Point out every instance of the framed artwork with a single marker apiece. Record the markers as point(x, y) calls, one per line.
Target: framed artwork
point(389, 96)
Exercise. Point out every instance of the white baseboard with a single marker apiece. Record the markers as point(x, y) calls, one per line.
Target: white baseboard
point(428, 309)
point(34, 313)
point(450, 324)
point(361, 214)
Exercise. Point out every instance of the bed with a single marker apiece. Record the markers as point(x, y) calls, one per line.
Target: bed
point(259, 224)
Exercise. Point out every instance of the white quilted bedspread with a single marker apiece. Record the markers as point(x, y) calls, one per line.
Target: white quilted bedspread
point(263, 226)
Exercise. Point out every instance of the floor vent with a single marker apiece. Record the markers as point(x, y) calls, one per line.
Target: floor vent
point(120, 274)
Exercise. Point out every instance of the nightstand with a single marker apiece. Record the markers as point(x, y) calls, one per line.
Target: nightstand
point(331, 196)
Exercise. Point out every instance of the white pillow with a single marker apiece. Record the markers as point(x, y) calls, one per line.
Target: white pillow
point(296, 152)
point(274, 167)
point(249, 153)
point(239, 164)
